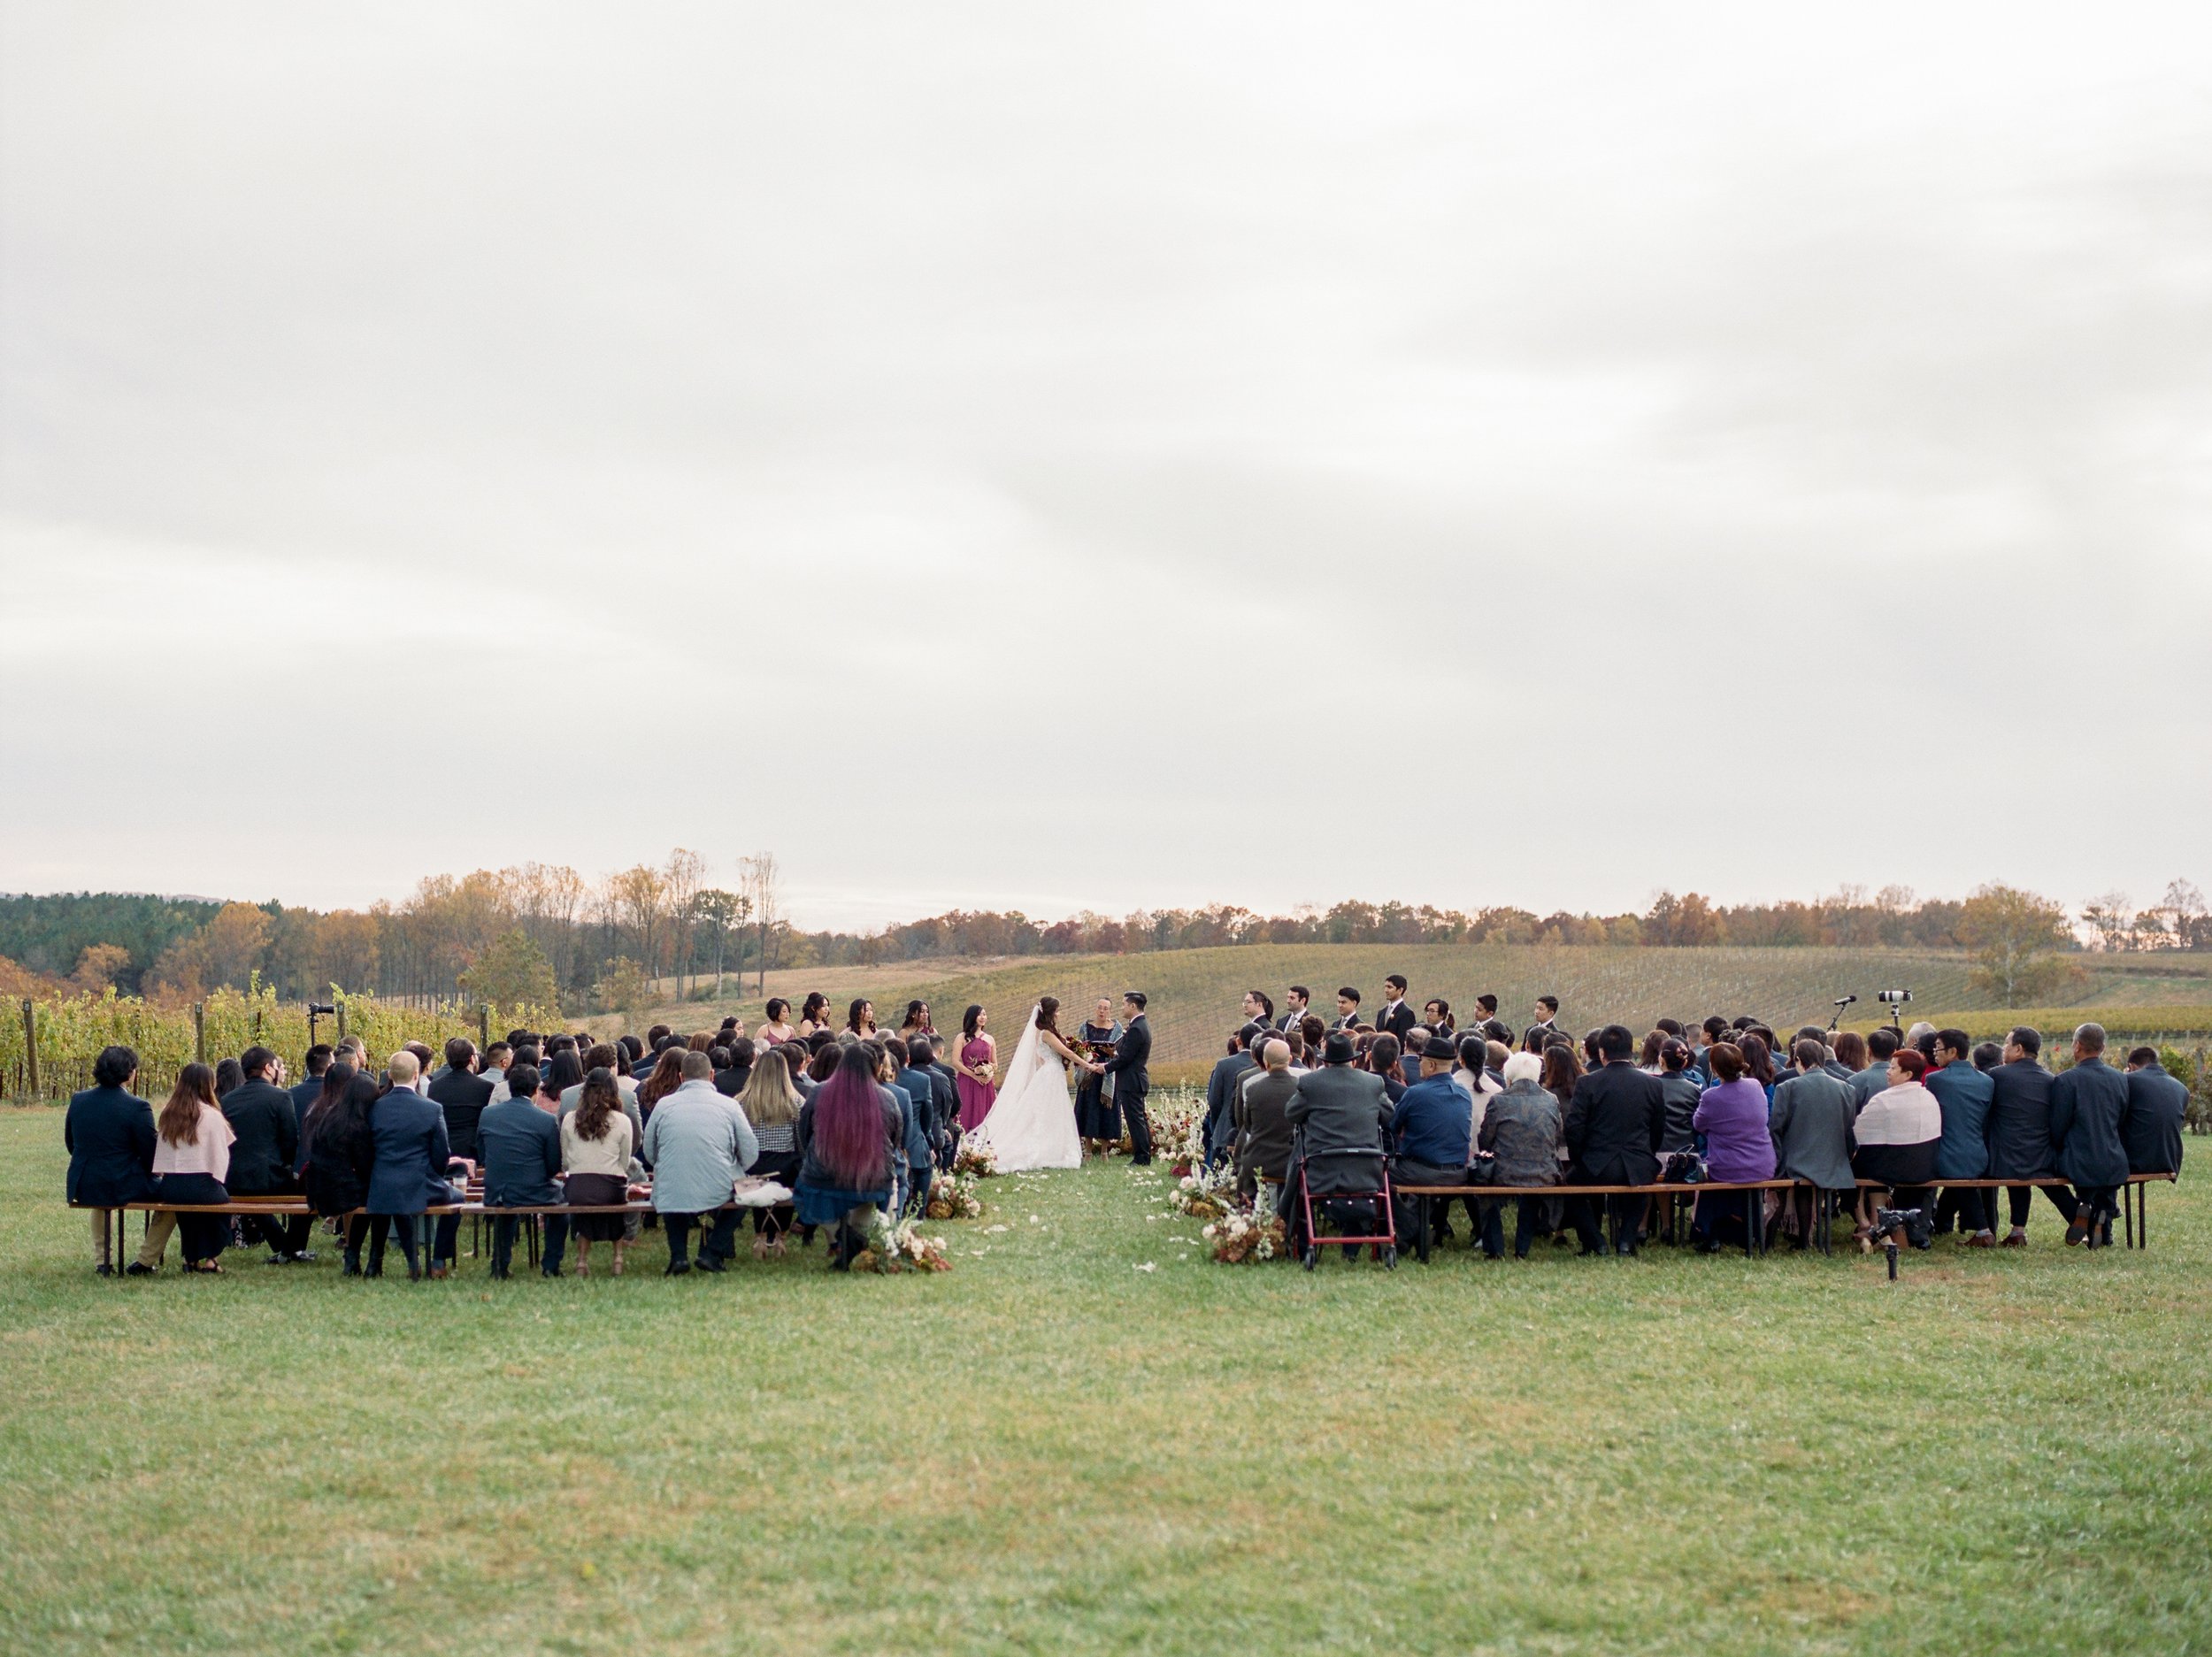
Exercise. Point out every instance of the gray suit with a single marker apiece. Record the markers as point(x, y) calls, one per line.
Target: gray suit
point(1340, 1109)
point(1811, 1127)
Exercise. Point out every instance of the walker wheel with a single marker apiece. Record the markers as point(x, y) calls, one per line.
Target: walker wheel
point(1312, 1256)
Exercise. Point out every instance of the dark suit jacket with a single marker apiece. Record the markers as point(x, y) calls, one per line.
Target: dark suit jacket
point(109, 1135)
point(2157, 1104)
point(731, 1083)
point(1396, 1020)
point(1132, 1080)
point(1221, 1092)
point(304, 1097)
point(1339, 1109)
point(461, 1095)
point(1616, 1120)
point(266, 1152)
point(2089, 1120)
point(2020, 1123)
point(411, 1154)
point(921, 1086)
point(1538, 1034)
point(520, 1148)
point(1262, 1130)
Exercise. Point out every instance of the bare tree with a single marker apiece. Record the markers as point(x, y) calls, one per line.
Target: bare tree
point(761, 883)
point(2111, 918)
point(685, 873)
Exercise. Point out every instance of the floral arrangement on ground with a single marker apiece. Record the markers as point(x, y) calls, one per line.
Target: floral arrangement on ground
point(1243, 1235)
point(975, 1156)
point(955, 1197)
point(902, 1248)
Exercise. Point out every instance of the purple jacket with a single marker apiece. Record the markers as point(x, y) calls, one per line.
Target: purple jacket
point(1732, 1116)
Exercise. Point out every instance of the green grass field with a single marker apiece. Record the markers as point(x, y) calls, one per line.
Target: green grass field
point(1087, 1439)
point(1195, 993)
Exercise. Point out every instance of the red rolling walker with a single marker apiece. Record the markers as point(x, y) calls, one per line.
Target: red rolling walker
point(1352, 1163)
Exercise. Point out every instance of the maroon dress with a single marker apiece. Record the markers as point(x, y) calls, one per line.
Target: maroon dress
point(976, 1098)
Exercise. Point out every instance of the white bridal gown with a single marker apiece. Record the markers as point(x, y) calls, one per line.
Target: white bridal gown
point(1032, 1122)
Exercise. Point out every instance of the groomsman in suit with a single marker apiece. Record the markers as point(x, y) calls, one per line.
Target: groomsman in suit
point(1132, 1080)
point(1295, 1000)
point(1346, 1008)
point(1258, 1009)
point(1396, 1018)
point(1486, 1010)
point(1546, 1026)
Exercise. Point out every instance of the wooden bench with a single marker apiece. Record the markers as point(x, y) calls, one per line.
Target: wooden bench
point(1755, 1228)
point(1755, 1242)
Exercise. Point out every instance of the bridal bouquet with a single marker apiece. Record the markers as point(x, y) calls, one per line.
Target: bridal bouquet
point(955, 1197)
point(975, 1156)
point(901, 1247)
point(1243, 1235)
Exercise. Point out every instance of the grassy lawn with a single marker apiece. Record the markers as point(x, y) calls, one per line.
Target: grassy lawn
point(1055, 1449)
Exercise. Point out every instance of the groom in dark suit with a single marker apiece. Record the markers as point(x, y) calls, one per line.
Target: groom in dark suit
point(1131, 1082)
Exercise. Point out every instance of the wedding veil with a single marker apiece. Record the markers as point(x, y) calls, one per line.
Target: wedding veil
point(1021, 1069)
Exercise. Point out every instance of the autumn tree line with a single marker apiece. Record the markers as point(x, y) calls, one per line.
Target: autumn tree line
point(539, 934)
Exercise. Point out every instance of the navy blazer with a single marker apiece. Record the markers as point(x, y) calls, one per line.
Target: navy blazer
point(304, 1097)
point(265, 1156)
point(519, 1146)
point(109, 1135)
point(412, 1153)
point(2157, 1106)
point(2089, 1119)
point(920, 1088)
point(461, 1095)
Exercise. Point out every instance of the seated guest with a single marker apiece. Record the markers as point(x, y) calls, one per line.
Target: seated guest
point(108, 1134)
point(1262, 1134)
point(1411, 1044)
point(771, 1104)
point(461, 1094)
point(2020, 1143)
point(601, 1055)
point(852, 1141)
point(229, 1075)
point(496, 1058)
point(1615, 1119)
point(1333, 1109)
point(1678, 1091)
point(666, 1077)
point(1385, 1060)
point(1471, 1075)
point(1732, 1116)
point(342, 1153)
point(1987, 1056)
point(410, 1175)
point(1850, 1058)
point(596, 1145)
point(1881, 1046)
point(191, 1155)
point(698, 1143)
point(1897, 1130)
point(909, 1059)
point(730, 1079)
point(1963, 1093)
point(920, 1161)
point(2089, 1124)
point(1521, 1128)
point(2158, 1105)
point(527, 1053)
point(264, 1154)
point(305, 1094)
point(1430, 1130)
point(520, 1144)
point(1219, 1128)
point(1811, 1129)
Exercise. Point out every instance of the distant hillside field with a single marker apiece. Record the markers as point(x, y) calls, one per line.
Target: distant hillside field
point(1195, 993)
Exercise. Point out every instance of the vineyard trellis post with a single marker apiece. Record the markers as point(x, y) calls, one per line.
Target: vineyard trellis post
point(30, 1045)
point(341, 1016)
point(483, 1025)
point(199, 1032)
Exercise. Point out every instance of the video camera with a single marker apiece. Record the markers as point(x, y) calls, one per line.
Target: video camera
point(318, 1009)
point(1893, 999)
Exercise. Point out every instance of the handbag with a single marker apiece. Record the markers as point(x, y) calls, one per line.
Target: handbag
point(1482, 1169)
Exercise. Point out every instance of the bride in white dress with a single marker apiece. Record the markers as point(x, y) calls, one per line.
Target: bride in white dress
point(1032, 1122)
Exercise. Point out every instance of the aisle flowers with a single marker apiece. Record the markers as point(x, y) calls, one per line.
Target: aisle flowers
point(955, 1197)
point(1204, 1193)
point(975, 1156)
point(1243, 1235)
point(902, 1248)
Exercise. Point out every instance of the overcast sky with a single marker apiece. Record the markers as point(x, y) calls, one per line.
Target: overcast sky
point(1057, 457)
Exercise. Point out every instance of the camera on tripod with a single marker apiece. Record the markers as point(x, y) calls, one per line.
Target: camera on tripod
point(318, 1009)
point(1893, 999)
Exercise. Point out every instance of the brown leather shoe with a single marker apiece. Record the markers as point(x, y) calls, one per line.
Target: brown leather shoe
point(2013, 1240)
point(1980, 1240)
point(2078, 1228)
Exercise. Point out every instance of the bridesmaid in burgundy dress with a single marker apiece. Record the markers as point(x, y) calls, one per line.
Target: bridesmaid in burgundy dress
point(978, 1071)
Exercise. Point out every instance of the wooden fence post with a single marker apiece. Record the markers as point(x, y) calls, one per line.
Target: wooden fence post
point(483, 1025)
point(199, 1031)
point(341, 1018)
point(30, 1045)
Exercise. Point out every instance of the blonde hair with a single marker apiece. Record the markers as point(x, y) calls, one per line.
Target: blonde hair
point(405, 1067)
point(770, 1099)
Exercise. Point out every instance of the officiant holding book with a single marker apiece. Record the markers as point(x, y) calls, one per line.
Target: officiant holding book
point(1097, 1118)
